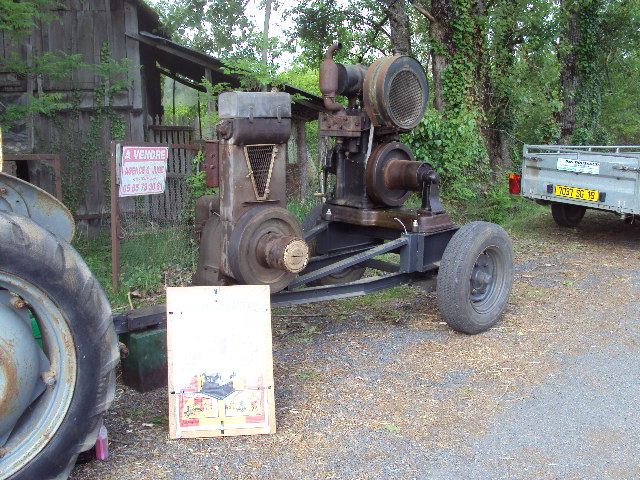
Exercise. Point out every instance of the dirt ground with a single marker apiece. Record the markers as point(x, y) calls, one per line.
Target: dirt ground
point(384, 390)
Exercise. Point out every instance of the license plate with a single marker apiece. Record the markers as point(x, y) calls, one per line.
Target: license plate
point(579, 193)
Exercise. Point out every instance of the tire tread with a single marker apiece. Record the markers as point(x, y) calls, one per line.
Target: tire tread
point(45, 260)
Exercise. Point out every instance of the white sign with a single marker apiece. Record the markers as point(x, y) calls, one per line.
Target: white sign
point(219, 361)
point(144, 170)
point(579, 166)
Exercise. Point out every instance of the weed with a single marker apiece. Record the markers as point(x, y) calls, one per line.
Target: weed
point(305, 335)
point(307, 375)
point(385, 296)
point(160, 420)
point(301, 208)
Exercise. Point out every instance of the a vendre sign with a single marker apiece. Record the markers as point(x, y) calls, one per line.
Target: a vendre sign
point(144, 170)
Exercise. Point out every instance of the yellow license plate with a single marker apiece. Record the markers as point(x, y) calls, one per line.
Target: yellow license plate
point(579, 193)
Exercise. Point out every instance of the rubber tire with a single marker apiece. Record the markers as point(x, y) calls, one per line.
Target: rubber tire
point(567, 215)
point(453, 288)
point(350, 274)
point(52, 266)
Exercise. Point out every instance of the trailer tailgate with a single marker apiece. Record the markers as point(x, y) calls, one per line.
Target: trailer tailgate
point(604, 178)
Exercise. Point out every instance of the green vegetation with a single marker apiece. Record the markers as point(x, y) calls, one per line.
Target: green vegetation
point(16, 21)
point(150, 262)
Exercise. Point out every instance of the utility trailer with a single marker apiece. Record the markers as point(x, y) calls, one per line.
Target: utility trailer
point(573, 179)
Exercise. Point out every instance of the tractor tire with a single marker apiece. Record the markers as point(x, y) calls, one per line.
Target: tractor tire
point(44, 281)
point(349, 274)
point(475, 277)
point(567, 215)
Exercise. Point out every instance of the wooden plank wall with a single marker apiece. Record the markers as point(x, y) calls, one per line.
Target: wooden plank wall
point(84, 26)
point(12, 91)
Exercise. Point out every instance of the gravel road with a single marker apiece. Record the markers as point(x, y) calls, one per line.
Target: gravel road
point(385, 390)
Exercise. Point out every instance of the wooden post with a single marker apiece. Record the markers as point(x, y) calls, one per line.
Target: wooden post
point(265, 38)
point(115, 220)
point(211, 106)
point(302, 157)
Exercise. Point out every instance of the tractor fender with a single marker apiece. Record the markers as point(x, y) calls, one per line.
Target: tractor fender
point(23, 198)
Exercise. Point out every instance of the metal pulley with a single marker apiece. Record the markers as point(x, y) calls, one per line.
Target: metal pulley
point(388, 174)
point(266, 247)
point(392, 174)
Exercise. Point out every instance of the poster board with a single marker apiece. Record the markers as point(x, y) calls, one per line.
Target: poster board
point(220, 361)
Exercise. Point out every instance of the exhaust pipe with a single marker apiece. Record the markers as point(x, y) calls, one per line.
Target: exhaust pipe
point(329, 81)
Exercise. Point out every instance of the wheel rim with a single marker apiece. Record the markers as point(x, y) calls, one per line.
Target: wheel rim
point(43, 416)
point(487, 279)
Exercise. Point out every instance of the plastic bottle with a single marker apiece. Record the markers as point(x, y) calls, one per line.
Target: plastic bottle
point(102, 443)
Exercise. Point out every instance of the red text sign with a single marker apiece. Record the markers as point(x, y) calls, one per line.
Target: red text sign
point(144, 170)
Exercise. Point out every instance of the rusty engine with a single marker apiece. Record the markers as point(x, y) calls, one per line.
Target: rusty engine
point(250, 237)
point(374, 170)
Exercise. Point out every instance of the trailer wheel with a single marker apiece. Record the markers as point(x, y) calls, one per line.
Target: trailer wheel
point(53, 389)
point(475, 277)
point(567, 215)
point(349, 274)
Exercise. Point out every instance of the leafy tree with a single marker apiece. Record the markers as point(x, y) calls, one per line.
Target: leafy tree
point(598, 37)
point(221, 28)
point(360, 26)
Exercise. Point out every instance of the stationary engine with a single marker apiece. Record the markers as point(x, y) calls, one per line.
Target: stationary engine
point(253, 239)
point(374, 171)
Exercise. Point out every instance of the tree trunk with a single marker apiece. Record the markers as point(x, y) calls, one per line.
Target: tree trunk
point(495, 101)
point(399, 22)
point(440, 34)
point(569, 73)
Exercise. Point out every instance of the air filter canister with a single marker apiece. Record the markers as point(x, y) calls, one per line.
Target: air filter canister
point(396, 92)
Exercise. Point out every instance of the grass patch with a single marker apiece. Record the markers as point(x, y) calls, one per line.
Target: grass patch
point(301, 208)
point(390, 295)
point(527, 217)
point(148, 263)
point(307, 375)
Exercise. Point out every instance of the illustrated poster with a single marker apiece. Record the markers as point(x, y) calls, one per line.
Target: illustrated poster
point(220, 361)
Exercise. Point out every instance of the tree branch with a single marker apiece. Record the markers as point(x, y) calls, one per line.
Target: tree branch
point(377, 26)
point(420, 8)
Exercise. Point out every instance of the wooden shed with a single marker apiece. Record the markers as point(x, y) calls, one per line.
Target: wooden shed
point(104, 33)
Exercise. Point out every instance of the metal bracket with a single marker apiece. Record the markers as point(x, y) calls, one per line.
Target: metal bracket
point(348, 262)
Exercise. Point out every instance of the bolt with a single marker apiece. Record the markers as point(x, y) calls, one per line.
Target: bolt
point(17, 302)
point(49, 378)
point(3, 191)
